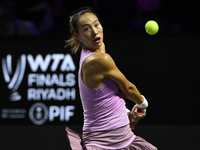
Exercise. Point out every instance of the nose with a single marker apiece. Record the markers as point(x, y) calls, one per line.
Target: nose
point(95, 31)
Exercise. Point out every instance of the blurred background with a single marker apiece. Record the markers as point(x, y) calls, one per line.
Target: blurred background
point(39, 92)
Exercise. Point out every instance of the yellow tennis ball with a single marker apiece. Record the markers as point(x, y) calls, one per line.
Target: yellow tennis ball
point(151, 27)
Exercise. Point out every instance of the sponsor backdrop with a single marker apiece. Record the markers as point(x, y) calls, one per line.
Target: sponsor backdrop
point(39, 78)
point(38, 83)
point(39, 92)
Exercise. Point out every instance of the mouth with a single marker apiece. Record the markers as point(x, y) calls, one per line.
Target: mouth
point(97, 40)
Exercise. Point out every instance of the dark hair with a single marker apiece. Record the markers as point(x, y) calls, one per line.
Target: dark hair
point(72, 41)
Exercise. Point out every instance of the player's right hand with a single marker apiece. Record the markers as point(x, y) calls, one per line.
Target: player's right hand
point(135, 116)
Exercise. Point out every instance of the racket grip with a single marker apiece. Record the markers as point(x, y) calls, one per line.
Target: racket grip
point(139, 111)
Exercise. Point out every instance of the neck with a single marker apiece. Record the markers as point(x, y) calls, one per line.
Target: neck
point(96, 50)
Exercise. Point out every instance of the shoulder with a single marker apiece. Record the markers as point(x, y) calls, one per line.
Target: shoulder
point(101, 60)
point(99, 63)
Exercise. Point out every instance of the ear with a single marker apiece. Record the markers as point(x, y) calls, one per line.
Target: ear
point(76, 35)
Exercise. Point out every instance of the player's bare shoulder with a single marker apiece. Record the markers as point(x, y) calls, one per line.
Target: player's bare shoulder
point(99, 61)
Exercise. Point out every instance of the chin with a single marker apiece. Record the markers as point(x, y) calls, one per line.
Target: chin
point(96, 46)
point(100, 44)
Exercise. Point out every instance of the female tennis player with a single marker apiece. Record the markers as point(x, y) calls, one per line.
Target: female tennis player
point(103, 89)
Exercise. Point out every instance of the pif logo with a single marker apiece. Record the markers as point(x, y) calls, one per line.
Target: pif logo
point(39, 113)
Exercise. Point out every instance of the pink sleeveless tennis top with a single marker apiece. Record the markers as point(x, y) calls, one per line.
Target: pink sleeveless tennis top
point(104, 107)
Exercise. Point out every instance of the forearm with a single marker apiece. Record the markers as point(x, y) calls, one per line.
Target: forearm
point(133, 94)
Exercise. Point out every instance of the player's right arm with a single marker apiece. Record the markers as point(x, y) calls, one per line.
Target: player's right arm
point(110, 70)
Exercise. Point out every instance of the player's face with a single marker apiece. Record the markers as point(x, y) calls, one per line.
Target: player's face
point(90, 31)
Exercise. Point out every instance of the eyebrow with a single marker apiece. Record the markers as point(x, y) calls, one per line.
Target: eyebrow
point(88, 24)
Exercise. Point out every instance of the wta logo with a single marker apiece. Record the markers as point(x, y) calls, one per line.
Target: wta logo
point(13, 79)
point(43, 73)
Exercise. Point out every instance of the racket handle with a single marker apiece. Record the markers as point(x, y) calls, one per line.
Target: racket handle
point(139, 111)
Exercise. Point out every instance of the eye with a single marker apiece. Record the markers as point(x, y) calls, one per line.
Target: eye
point(97, 24)
point(86, 28)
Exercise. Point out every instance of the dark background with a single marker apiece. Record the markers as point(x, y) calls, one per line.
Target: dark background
point(164, 67)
